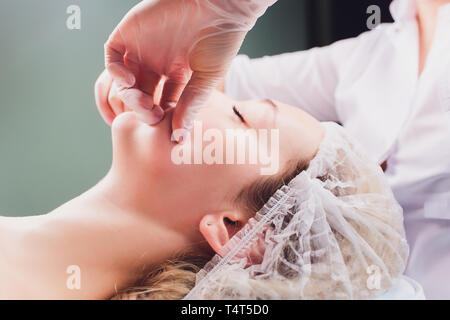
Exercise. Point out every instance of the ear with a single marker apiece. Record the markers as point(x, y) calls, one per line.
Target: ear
point(219, 228)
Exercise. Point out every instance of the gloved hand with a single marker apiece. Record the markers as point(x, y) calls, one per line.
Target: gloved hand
point(106, 97)
point(188, 44)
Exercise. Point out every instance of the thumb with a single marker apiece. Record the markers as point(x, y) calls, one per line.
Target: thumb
point(193, 98)
point(114, 63)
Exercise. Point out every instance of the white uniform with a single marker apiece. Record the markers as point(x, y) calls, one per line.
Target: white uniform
point(370, 85)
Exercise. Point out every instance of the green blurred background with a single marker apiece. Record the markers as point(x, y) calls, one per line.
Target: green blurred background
point(53, 143)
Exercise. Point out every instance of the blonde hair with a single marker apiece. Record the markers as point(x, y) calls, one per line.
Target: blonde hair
point(176, 277)
point(171, 281)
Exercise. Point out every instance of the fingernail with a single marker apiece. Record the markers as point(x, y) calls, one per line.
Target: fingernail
point(151, 116)
point(171, 105)
point(180, 135)
point(157, 114)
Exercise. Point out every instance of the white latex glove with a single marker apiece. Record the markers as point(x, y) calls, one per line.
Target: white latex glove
point(188, 44)
point(106, 97)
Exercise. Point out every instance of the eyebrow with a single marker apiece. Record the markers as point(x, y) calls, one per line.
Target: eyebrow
point(275, 107)
point(271, 103)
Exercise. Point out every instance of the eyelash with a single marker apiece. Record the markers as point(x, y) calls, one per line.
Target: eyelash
point(236, 112)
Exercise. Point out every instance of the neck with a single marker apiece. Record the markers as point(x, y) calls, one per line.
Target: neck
point(427, 14)
point(100, 242)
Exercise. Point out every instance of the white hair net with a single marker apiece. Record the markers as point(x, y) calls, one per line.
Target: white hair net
point(334, 232)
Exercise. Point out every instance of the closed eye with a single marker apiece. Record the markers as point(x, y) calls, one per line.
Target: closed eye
point(236, 112)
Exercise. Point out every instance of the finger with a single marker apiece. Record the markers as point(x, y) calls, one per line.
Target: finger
point(131, 61)
point(114, 63)
point(142, 104)
point(171, 93)
point(102, 88)
point(192, 99)
point(148, 82)
point(114, 100)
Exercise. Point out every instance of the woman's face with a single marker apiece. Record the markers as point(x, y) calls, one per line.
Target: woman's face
point(201, 176)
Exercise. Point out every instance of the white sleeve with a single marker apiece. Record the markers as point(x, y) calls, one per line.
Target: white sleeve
point(305, 79)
